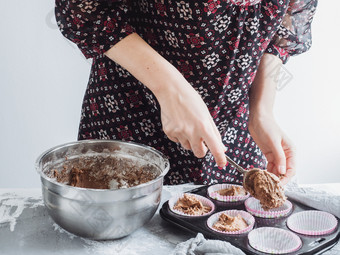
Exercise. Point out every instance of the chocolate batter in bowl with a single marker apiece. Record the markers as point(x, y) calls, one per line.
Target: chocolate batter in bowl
point(104, 172)
point(102, 189)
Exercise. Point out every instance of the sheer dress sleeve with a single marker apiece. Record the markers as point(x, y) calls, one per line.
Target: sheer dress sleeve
point(94, 26)
point(294, 34)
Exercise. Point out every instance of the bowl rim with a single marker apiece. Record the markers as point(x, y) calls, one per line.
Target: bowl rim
point(90, 141)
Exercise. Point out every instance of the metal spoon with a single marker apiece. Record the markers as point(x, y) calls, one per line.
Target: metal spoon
point(242, 171)
point(239, 168)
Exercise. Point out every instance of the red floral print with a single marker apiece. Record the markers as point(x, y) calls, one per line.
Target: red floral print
point(217, 46)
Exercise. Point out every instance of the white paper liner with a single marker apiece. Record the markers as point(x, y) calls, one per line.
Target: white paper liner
point(212, 192)
point(274, 240)
point(312, 222)
point(254, 207)
point(246, 216)
point(205, 201)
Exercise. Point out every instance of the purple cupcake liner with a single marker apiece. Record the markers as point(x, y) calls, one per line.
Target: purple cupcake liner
point(246, 216)
point(205, 201)
point(274, 240)
point(312, 223)
point(212, 192)
point(254, 207)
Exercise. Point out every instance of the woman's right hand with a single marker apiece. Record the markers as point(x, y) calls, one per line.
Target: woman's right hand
point(187, 120)
point(185, 117)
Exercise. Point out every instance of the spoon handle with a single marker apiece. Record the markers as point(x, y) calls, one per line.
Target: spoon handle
point(239, 168)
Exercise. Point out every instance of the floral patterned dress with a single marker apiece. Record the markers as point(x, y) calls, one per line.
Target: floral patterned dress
point(217, 46)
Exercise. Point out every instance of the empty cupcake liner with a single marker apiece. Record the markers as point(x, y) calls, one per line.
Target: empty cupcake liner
point(246, 216)
point(312, 222)
point(205, 201)
point(212, 192)
point(254, 207)
point(274, 240)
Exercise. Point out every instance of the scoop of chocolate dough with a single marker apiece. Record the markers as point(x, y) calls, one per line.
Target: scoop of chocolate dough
point(232, 191)
point(228, 223)
point(265, 187)
point(190, 205)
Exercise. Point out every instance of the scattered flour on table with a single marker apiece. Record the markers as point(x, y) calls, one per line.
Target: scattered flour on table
point(140, 242)
point(63, 231)
point(12, 205)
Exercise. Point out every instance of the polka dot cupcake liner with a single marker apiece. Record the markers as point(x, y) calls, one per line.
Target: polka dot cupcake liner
point(246, 216)
point(205, 201)
point(254, 207)
point(312, 223)
point(274, 240)
point(213, 193)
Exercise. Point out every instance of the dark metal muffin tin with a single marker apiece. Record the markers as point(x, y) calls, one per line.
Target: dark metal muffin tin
point(310, 244)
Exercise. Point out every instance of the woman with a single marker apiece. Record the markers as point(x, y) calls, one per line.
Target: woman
point(193, 79)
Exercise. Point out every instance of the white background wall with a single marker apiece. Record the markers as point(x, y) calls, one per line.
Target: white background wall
point(43, 78)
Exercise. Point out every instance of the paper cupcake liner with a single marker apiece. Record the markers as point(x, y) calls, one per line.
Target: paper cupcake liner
point(205, 201)
point(274, 240)
point(312, 223)
point(246, 216)
point(212, 192)
point(254, 207)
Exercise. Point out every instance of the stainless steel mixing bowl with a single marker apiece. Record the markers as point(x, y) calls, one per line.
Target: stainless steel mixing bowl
point(101, 214)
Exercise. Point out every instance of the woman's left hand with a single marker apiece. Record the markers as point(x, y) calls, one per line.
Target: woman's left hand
point(275, 145)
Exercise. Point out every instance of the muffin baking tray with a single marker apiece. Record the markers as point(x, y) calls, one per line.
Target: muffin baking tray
point(310, 244)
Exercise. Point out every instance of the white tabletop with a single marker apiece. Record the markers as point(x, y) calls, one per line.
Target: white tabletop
point(26, 228)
